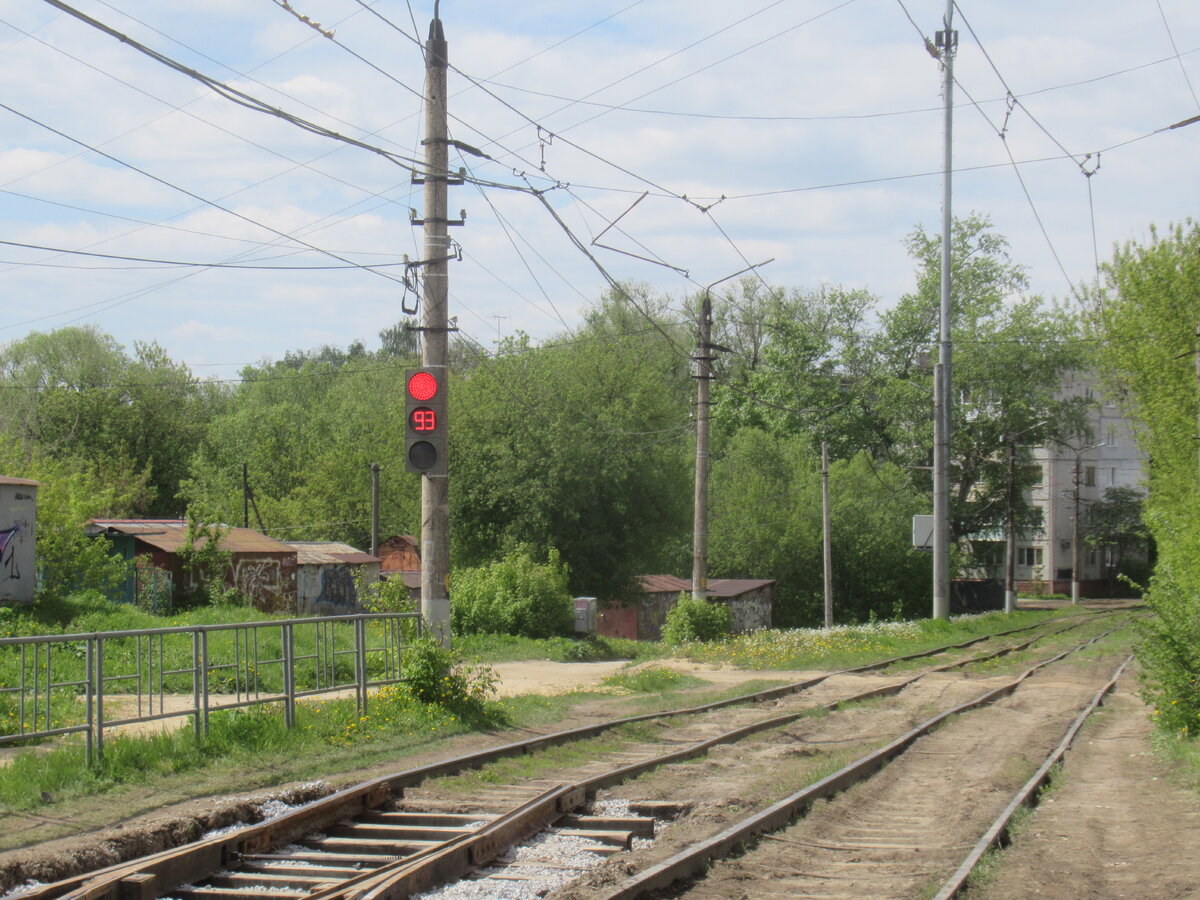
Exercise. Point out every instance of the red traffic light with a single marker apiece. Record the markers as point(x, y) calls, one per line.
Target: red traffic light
point(422, 385)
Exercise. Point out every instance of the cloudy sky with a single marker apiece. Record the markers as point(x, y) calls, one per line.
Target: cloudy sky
point(809, 131)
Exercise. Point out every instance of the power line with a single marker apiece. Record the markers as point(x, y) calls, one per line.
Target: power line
point(175, 263)
point(1175, 47)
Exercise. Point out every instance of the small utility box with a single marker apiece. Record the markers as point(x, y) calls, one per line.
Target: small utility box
point(585, 615)
point(922, 533)
point(18, 524)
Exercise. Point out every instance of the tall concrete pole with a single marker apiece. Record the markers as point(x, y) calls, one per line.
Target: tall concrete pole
point(435, 489)
point(947, 42)
point(374, 509)
point(1076, 557)
point(700, 519)
point(826, 535)
point(1010, 533)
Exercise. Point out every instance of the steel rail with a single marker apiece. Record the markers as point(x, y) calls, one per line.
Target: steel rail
point(608, 779)
point(693, 859)
point(452, 859)
point(194, 861)
point(1027, 796)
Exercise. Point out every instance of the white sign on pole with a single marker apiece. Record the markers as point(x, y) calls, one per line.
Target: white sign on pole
point(922, 532)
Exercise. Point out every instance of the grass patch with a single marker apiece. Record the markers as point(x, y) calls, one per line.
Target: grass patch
point(494, 648)
point(844, 646)
point(652, 679)
point(1182, 757)
point(237, 738)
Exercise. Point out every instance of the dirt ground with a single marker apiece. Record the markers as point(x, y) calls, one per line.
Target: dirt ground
point(545, 677)
point(1115, 826)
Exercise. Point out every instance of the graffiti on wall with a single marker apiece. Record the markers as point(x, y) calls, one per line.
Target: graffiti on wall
point(337, 588)
point(259, 579)
point(10, 539)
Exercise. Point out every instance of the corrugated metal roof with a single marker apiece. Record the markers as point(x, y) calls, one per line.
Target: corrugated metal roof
point(317, 553)
point(25, 482)
point(717, 587)
point(733, 587)
point(661, 584)
point(168, 535)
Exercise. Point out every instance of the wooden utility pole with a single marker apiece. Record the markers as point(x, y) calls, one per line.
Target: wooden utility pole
point(826, 535)
point(704, 352)
point(245, 495)
point(435, 489)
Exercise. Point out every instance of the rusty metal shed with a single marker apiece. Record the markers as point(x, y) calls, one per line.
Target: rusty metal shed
point(263, 569)
point(328, 575)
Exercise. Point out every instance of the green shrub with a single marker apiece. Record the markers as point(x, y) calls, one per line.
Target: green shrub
point(1169, 654)
point(692, 620)
point(434, 676)
point(513, 596)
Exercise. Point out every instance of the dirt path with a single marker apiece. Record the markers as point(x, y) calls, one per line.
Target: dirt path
point(1115, 827)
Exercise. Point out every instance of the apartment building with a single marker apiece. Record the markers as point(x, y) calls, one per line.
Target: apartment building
point(1110, 458)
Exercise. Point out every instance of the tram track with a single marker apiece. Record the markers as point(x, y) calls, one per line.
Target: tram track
point(887, 824)
point(397, 851)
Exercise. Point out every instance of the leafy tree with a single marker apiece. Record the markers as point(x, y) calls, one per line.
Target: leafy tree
point(513, 596)
point(308, 437)
point(76, 393)
point(1116, 527)
point(205, 564)
point(71, 493)
point(1011, 352)
point(766, 523)
point(810, 365)
point(1145, 314)
point(581, 445)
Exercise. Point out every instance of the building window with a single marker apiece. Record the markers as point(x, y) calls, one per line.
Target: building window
point(1089, 476)
point(1031, 475)
point(1091, 556)
point(1029, 556)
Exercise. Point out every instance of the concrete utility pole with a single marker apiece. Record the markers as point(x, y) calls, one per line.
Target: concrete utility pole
point(946, 42)
point(1075, 554)
point(1010, 533)
point(700, 518)
point(826, 535)
point(375, 509)
point(435, 489)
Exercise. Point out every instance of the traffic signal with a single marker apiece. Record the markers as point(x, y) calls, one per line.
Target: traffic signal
point(425, 425)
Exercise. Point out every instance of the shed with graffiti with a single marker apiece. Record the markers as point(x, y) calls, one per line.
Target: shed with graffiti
point(18, 524)
point(328, 576)
point(261, 569)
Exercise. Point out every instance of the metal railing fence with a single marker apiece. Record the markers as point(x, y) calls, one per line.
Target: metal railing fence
point(191, 670)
